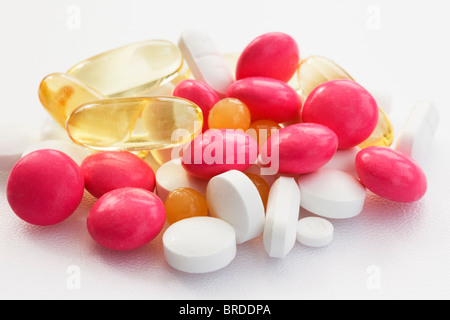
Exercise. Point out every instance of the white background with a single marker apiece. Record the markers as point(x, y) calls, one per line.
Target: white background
point(390, 251)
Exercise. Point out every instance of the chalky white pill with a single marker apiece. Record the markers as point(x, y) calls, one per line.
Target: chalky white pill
point(332, 193)
point(418, 132)
point(199, 244)
point(14, 139)
point(171, 176)
point(280, 227)
point(315, 232)
point(233, 197)
point(74, 151)
point(205, 60)
point(344, 160)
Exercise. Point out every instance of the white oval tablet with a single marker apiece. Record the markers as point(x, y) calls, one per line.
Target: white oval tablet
point(418, 132)
point(171, 175)
point(14, 139)
point(205, 60)
point(233, 197)
point(344, 160)
point(199, 244)
point(314, 232)
point(332, 193)
point(280, 227)
point(74, 151)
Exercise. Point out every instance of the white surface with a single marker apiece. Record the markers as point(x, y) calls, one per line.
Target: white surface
point(233, 197)
point(280, 226)
point(332, 193)
point(398, 46)
point(199, 244)
point(314, 232)
point(14, 139)
point(76, 152)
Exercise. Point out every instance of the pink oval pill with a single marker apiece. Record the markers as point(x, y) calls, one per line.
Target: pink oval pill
point(219, 150)
point(267, 99)
point(390, 174)
point(272, 55)
point(199, 93)
point(109, 170)
point(346, 108)
point(299, 148)
point(126, 218)
point(45, 187)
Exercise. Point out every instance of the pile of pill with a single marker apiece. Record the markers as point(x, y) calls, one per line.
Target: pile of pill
point(212, 150)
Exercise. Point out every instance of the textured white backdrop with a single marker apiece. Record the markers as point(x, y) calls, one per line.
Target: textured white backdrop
point(390, 251)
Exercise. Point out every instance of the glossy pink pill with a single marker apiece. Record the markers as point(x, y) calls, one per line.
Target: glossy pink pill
point(109, 170)
point(219, 150)
point(299, 148)
point(45, 187)
point(272, 55)
point(267, 99)
point(390, 174)
point(346, 108)
point(126, 219)
point(199, 93)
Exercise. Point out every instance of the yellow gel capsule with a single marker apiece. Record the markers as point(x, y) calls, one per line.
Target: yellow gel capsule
point(135, 124)
point(316, 70)
point(60, 94)
point(133, 70)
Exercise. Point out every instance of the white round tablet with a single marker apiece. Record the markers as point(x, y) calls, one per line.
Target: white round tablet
point(233, 197)
point(171, 176)
point(14, 139)
point(314, 232)
point(199, 244)
point(280, 228)
point(332, 193)
point(74, 151)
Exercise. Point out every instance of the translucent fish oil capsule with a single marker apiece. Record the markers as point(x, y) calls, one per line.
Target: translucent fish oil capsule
point(316, 70)
point(60, 94)
point(135, 124)
point(132, 70)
